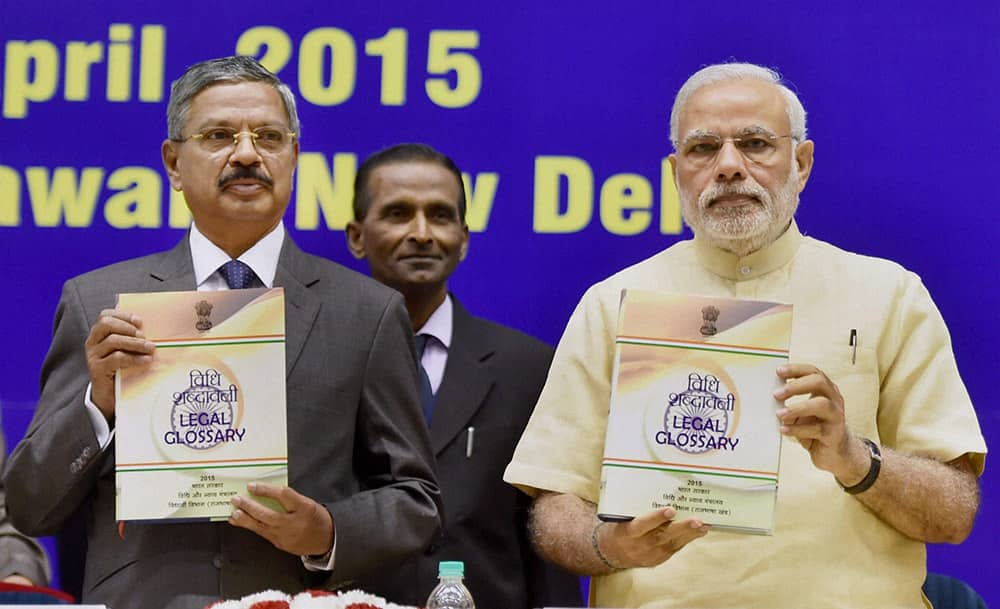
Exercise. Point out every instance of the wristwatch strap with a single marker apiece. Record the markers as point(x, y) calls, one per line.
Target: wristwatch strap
point(873, 470)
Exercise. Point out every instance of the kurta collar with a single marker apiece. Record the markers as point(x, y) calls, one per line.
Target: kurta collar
point(763, 261)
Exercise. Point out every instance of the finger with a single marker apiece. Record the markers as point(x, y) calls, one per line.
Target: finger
point(131, 318)
point(821, 408)
point(795, 370)
point(115, 335)
point(808, 411)
point(115, 322)
point(263, 515)
point(242, 519)
point(688, 531)
point(811, 384)
point(289, 499)
point(806, 431)
point(799, 421)
point(650, 521)
point(673, 537)
point(262, 489)
point(107, 365)
point(818, 409)
point(119, 343)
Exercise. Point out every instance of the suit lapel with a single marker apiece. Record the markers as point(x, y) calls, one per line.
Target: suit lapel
point(174, 269)
point(466, 383)
point(295, 273)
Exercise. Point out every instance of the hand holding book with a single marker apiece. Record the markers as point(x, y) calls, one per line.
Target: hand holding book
point(115, 342)
point(304, 527)
point(648, 539)
point(819, 423)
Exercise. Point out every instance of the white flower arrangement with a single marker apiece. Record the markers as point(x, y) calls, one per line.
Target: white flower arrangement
point(310, 599)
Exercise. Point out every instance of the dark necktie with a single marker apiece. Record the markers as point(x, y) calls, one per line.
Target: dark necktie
point(426, 393)
point(238, 275)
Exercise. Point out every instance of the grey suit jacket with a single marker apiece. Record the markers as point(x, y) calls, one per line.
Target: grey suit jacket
point(491, 383)
point(357, 442)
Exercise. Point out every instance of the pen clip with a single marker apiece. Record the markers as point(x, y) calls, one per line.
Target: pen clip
point(854, 345)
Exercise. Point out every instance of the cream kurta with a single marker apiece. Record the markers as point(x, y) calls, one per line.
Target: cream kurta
point(903, 390)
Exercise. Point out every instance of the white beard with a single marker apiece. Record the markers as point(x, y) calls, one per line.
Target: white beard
point(748, 228)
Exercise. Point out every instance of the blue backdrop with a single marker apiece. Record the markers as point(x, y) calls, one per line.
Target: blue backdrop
point(545, 105)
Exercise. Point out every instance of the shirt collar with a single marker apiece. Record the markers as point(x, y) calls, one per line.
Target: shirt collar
point(763, 261)
point(207, 257)
point(439, 324)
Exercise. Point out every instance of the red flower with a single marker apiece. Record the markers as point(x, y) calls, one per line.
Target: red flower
point(316, 593)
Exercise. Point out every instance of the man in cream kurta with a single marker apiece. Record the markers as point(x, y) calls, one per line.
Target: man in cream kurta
point(900, 389)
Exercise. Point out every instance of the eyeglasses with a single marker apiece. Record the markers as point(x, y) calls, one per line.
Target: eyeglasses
point(270, 140)
point(702, 149)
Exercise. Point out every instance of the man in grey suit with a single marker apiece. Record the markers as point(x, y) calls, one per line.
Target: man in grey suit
point(361, 484)
point(480, 383)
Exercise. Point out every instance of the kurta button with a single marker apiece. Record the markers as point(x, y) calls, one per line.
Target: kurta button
point(217, 561)
point(745, 270)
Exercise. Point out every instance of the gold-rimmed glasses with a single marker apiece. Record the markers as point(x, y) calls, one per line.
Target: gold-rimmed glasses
point(267, 139)
point(757, 146)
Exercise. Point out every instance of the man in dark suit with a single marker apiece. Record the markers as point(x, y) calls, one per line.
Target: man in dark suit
point(361, 484)
point(480, 381)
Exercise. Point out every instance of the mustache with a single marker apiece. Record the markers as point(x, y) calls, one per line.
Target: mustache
point(741, 189)
point(245, 173)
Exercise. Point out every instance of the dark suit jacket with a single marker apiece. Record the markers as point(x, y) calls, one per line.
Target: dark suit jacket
point(357, 442)
point(491, 382)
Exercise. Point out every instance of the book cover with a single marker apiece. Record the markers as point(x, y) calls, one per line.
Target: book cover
point(207, 416)
point(692, 421)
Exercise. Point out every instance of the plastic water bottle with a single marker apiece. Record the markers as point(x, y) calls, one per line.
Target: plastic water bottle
point(450, 593)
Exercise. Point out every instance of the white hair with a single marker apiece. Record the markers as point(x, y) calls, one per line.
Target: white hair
point(739, 71)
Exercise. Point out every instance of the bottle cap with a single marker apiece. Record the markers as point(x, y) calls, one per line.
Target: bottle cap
point(451, 568)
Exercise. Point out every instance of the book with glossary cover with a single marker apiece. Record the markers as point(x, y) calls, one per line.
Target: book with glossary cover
point(207, 416)
point(692, 420)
